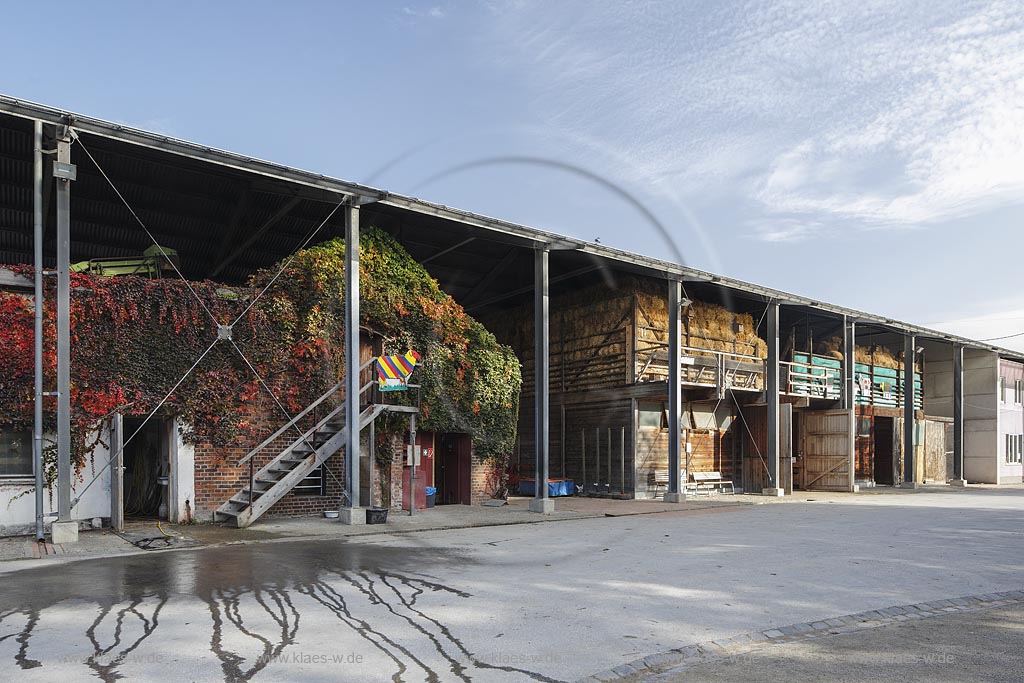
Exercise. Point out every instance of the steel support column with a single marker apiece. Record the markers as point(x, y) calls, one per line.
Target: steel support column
point(772, 399)
point(351, 513)
point(958, 415)
point(849, 363)
point(909, 348)
point(37, 220)
point(675, 491)
point(541, 356)
point(64, 527)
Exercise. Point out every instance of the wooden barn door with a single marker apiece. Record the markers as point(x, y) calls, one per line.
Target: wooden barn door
point(755, 448)
point(936, 456)
point(828, 460)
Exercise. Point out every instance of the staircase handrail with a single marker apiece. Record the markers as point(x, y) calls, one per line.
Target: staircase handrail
point(305, 411)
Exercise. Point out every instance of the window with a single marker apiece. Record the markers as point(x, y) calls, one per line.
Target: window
point(1018, 392)
point(652, 415)
point(1002, 388)
point(15, 455)
point(1014, 449)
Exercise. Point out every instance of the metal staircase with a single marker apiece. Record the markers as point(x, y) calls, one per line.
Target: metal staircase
point(293, 464)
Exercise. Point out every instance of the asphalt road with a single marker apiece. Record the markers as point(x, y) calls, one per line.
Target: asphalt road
point(556, 601)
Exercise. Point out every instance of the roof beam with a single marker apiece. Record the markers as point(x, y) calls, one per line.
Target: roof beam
point(446, 251)
point(231, 233)
point(507, 260)
point(260, 231)
point(525, 290)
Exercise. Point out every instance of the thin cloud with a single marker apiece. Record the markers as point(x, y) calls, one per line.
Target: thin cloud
point(785, 230)
point(883, 113)
point(435, 12)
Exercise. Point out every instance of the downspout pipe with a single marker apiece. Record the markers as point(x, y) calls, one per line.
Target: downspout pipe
point(37, 427)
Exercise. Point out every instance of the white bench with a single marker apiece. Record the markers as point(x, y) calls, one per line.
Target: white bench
point(656, 479)
point(709, 482)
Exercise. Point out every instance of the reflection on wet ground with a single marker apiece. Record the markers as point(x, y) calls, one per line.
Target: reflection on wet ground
point(372, 610)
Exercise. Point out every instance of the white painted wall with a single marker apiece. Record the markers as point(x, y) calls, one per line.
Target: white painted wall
point(17, 498)
point(981, 408)
point(981, 416)
point(1011, 421)
point(182, 496)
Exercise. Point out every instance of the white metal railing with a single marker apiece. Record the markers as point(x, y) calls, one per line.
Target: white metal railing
point(306, 411)
point(700, 366)
point(816, 381)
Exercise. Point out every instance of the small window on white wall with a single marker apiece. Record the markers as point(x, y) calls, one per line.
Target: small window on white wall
point(15, 454)
point(1014, 449)
point(1002, 388)
point(1018, 392)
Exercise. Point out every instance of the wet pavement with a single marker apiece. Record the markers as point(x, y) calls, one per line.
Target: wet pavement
point(539, 602)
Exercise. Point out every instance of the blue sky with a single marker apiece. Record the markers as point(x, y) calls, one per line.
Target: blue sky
point(868, 154)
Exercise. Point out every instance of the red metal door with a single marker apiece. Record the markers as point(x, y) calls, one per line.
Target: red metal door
point(453, 480)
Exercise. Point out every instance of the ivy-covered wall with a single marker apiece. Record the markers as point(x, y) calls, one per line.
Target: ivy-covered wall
point(135, 338)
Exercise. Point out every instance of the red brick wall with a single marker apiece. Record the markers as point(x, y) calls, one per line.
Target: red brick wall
point(218, 477)
point(486, 477)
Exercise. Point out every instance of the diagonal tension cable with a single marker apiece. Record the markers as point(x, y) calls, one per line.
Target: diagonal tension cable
point(148, 418)
point(302, 245)
point(143, 226)
point(263, 383)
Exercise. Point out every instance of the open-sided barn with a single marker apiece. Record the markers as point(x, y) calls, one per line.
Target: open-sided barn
point(637, 373)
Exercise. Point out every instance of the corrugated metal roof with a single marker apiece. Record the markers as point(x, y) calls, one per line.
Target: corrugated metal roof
point(187, 195)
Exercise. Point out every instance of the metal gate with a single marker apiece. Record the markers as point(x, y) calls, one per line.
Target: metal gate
point(828, 463)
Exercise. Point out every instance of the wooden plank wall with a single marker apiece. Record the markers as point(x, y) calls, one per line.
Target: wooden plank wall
point(936, 464)
point(712, 450)
point(754, 473)
point(934, 457)
point(865, 438)
point(826, 451)
point(590, 336)
point(651, 456)
point(581, 421)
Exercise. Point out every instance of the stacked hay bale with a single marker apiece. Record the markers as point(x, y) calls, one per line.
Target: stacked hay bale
point(588, 335)
point(713, 327)
point(705, 325)
point(868, 355)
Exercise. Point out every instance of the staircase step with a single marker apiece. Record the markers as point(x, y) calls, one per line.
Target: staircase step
point(238, 510)
point(229, 516)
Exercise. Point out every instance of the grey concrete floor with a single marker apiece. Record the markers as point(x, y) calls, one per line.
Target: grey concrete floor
point(553, 601)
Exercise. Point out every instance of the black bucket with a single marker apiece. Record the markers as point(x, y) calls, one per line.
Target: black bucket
point(376, 515)
point(430, 500)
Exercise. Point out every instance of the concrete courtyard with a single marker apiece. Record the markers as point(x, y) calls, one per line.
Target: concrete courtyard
point(557, 601)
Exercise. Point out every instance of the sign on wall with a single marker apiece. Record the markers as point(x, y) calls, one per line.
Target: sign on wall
point(393, 371)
